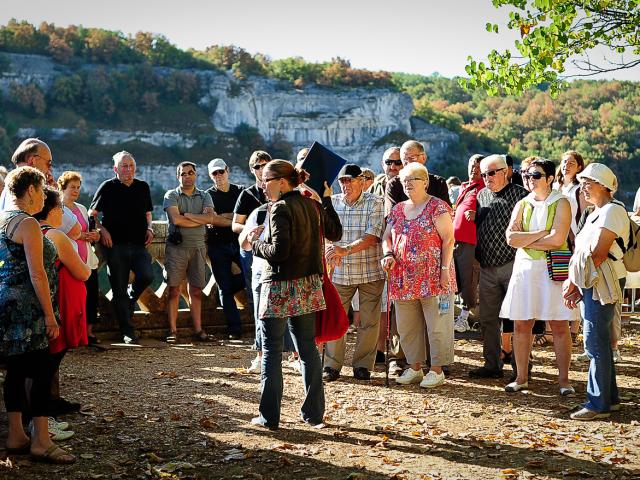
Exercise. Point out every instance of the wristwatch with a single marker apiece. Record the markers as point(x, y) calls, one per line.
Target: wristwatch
point(349, 248)
point(444, 268)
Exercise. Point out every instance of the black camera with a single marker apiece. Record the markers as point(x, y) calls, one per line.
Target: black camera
point(175, 237)
point(92, 223)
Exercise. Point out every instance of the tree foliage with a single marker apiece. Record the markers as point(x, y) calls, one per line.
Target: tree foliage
point(553, 33)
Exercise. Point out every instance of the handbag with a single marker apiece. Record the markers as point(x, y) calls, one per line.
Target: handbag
point(558, 264)
point(332, 323)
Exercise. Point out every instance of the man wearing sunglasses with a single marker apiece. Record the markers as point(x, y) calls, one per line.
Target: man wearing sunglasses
point(391, 166)
point(495, 203)
point(188, 210)
point(464, 254)
point(222, 241)
point(248, 200)
point(413, 151)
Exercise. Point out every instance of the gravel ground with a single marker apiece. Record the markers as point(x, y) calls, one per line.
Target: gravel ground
point(184, 411)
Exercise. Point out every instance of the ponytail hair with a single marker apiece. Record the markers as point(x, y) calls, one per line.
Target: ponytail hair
point(284, 169)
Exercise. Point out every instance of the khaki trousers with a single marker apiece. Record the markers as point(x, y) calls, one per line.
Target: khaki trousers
point(412, 317)
point(364, 354)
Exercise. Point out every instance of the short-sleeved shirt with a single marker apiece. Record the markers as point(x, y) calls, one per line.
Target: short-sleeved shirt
point(249, 199)
point(636, 201)
point(613, 217)
point(364, 217)
point(223, 202)
point(493, 213)
point(124, 209)
point(192, 237)
point(417, 248)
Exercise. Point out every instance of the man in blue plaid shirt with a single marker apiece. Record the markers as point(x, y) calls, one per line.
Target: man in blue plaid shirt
point(356, 258)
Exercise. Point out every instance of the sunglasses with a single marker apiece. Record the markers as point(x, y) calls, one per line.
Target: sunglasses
point(533, 175)
point(259, 166)
point(267, 180)
point(215, 173)
point(491, 173)
point(393, 162)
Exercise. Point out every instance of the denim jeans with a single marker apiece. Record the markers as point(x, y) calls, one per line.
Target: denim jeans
point(221, 257)
point(122, 259)
point(246, 260)
point(602, 390)
point(303, 331)
point(257, 344)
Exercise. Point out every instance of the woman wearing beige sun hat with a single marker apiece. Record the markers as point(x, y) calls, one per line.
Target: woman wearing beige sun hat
point(596, 276)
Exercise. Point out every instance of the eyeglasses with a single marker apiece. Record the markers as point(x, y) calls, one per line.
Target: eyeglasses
point(412, 179)
point(393, 162)
point(190, 173)
point(267, 180)
point(532, 175)
point(49, 160)
point(491, 173)
point(411, 159)
point(258, 166)
point(215, 173)
point(347, 179)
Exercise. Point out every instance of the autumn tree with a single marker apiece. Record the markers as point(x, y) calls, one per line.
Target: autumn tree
point(28, 98)
point(552, 34)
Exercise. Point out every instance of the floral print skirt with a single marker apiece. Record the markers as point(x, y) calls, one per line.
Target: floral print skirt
point(291, 298)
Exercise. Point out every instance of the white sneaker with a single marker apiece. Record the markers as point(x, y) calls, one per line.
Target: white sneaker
point(582, 357)
point(462, 322)
point(617, 358)
point(56, 425)
point(410, 376)
point(256, 365)
point(432, 379)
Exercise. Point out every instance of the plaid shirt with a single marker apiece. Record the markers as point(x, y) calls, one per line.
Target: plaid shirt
point(365, 217)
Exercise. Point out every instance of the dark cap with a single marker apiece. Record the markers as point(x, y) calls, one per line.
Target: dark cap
point(350, 170)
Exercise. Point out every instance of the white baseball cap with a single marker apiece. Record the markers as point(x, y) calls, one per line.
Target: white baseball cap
point(217, 164)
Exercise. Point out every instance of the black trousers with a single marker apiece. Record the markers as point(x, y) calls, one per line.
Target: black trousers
point(39, 366)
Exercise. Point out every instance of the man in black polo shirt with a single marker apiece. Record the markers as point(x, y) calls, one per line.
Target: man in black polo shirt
point(495, 204)
point(125, 231)
point(250, 199)
point(222, 242)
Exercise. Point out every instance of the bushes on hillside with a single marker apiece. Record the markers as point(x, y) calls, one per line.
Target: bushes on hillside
point(28, 98)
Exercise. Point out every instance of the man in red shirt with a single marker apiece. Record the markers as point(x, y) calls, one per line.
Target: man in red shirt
point(467, 267)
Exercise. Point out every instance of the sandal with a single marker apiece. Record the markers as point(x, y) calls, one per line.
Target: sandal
point(541, 340)
point(172, 337)
point(201, 336)
point(55, 455)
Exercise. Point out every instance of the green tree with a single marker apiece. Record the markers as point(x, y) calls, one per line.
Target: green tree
point(554, 32)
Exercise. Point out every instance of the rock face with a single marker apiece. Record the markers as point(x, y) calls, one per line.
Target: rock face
point(345, 121)
point(353, 122)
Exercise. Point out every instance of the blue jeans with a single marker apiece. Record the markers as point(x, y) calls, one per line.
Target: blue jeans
point(257, 344)
point(221, 257)
point(602, 390)
point(303, 331)
point(122, 259)
point(246, 260)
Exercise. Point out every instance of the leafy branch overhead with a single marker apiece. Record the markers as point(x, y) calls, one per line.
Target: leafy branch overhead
point(553, 33)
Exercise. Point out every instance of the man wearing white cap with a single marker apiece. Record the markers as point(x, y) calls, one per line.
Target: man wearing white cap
point(222, 242)
point(598, 254)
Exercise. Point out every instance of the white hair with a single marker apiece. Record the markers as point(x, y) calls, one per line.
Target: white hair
point(120, 155)
point(498, 160)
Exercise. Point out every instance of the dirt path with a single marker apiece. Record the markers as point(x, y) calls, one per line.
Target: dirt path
point(183, 412)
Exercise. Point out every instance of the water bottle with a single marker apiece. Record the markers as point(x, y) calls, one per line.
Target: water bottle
point(444, 304)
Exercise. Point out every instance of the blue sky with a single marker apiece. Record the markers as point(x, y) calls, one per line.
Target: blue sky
point(403, 35)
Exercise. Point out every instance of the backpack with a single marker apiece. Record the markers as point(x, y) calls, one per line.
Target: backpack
point(631, 248)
